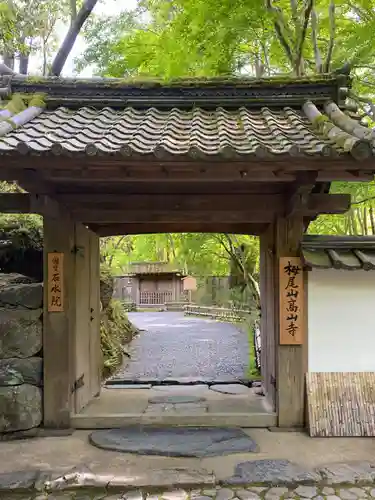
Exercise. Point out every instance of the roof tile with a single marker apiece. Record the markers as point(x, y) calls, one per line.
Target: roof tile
point(346, 253)
point(196, 132)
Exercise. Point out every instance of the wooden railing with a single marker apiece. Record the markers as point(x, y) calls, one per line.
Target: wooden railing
point(154, 298)
point(220, 313)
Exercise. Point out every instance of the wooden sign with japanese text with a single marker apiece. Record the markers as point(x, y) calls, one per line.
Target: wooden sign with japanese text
point(292, 314)
point(55, 282)
point(189, 283)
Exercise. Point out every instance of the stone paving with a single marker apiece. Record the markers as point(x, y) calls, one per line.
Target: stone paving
point(349, 492)
point(270, 480)
point(172, 345)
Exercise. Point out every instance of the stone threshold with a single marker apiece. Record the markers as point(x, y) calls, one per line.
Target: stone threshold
point(258, 473)
point(118, 420)
point(181, 382)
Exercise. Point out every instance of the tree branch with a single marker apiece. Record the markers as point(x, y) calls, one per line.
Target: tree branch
point(279, 31)
point(332, 32)
point(306, 20)
point(314, 36)
point(68, 43)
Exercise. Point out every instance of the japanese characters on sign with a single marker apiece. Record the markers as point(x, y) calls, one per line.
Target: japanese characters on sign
point(291, 301)
point(55, 282)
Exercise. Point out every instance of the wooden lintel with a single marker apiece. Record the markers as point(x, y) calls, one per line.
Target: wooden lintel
point(219, 216)
point(155, 210)
point(26, 203)
point(174, 202)
point(111, 208)
point(15, 203)
point(187, 227)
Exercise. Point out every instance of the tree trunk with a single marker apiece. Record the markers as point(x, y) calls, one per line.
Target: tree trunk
point(71, 37)
point(372, 220)
point(24, 64)
point(73, 11)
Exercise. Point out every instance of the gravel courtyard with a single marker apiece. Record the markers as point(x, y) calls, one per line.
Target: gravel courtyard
point(174, 346)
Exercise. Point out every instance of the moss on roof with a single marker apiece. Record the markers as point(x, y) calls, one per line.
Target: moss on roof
point(19, 102)
point(148, 82)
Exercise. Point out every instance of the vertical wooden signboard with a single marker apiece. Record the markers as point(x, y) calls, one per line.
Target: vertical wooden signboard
point(292, 323)
point(55, 282)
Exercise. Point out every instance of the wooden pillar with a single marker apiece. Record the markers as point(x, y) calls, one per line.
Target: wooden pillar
point(58, 316)
point(290, 367)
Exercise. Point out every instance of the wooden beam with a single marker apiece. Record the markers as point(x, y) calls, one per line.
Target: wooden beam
point(220, 216)
point(327, 204)
point(173, 208)
point(152, 212)
point(186, 227)
point(298, 194)
point(175, 202)
point(269, 203)
point(105, 175)
point(15, 203)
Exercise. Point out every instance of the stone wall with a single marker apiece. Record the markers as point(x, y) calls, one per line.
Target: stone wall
point(21, 353)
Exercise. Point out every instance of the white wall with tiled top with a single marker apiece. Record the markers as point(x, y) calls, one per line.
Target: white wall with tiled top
point(341, 320)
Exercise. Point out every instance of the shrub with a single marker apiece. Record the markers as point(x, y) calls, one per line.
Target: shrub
point(115, 331)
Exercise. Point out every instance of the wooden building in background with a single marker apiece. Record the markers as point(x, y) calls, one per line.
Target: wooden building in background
point(150, 284)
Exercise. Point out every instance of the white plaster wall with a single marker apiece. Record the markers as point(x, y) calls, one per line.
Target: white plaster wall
point(341, 320)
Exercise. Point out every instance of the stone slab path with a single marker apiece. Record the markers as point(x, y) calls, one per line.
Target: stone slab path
point(174, 346)
point(178, 441)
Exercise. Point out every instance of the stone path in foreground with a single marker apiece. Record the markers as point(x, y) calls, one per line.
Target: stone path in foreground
point(270, 480)
point(174, 346)
point(241, 493)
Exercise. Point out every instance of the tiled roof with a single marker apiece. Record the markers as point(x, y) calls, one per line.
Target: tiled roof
point(339, 252)
point(242, 127)
point(152, 131)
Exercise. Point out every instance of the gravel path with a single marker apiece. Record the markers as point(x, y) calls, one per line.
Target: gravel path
point(175, 346)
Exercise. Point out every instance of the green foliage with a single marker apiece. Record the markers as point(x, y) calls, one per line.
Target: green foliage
point(7, 25)
point(359, 220)
point(115, 331)
point(30, 28)
point(102, 33)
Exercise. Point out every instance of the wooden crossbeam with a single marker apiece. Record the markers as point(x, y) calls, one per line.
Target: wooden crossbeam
point(166, 216)
point(105, 208)
point(18, 203)
point(187, 227)
point(174, 202)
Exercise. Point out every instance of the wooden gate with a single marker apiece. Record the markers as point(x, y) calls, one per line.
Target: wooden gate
point(267, 327)
point(87, 352)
